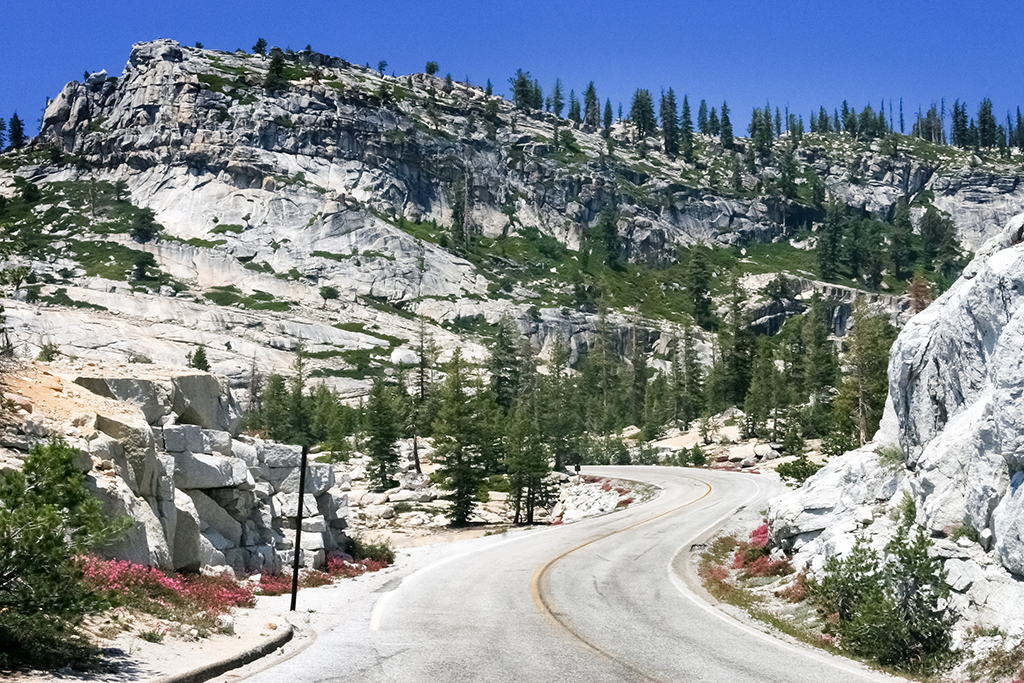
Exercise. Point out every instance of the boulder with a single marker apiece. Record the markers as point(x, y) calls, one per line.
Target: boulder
point(319, 478)
point(214, 517)
point(333, 504)
point(287, 505)
point(203, 399)
point(136, 439)
point(244, 451)
point(144, 542)
point(186, 535)
point(208, 471)
point(153, 397)
point(282, 455)
point(215, 441)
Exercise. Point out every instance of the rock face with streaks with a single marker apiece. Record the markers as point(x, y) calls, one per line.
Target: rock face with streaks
point(951, 440)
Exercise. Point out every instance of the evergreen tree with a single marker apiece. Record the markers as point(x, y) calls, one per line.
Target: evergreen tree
point(726, 127)
point(714, 127)
point(560, 413)
point(275, 408)
point(3, 134)
point(504, 364)
point(764, 379)
point(382, 432)
point(901, 238)
point(456, 434)
point(557, 98)
point(641, 114)
point(260, 48)
point(697, 279)
point(522, 89)
point(16, 132)
point(591, 108)
point(702, 118)
point(198, 359)
point(607, 131)
point(574, 108)
point(686, 131)
point(489, 89)
point(862, 396)
point(537, 97)
point(526, 461)
point(638, 384)
point(275, 79)
point(730, 377)
point(829, 240)
point(431, 68)
point(939, 247)
point(669, 124)
point(692, 403)
point(986, 125)
point(299, 408)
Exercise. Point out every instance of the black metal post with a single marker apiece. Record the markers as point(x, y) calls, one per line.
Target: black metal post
point(298, 527)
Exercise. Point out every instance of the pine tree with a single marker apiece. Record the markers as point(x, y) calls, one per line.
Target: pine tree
point(829, 240)
point(714, 127)
point(686, 131)
point(697, 279)
point(557, 98)
point(456, 434)
point(260, 48)
point(726, 127)
point(198, 359)
point(275, 79)
point(939, 247)
point(3, 135)
point(275, 408)
point(591, 108)
point(862, 396)
point(759, 400)
point(986, 125)
point(560, 413)
point(574, 108)
point(16, 132)
point(607, 131)
point(504, 365)
point(702, 118)
point(382, 432)
point(669, 124)
point(638, 383)
point(641, 114)
point(693, 389)
point(526, 461)
point(901, 238)
point(522, 89)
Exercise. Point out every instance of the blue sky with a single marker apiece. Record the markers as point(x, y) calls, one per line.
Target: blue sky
point(803, 53)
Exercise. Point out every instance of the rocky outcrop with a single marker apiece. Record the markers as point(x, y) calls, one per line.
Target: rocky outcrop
point(162, 449)
point(951, 441)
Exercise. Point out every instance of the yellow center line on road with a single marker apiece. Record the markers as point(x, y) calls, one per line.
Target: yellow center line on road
point(538, 592)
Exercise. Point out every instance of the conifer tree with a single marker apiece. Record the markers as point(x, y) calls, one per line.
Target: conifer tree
point(504, 364)
point(591, 108)
point(726, 127)
point(862, 396)
point(526, 461)
point(901, 238)
point(16, 132)
point(197, 359)
point(455, 437)
point(829, 241)
point(702, 118)
point(260, 48)
point(574, 108)
point(986, 125)
point(275, 79)
point(669, 124)
point(382, 432)
point(686, 131)
point(560, 412)
point(714, 127)
point(522, 89)
point(638, 385)
point(697, 279)
point(3, 134)
point(607, 131)
point(641, 114)
point(693, 389)
point(764, 379)
point(557, 98)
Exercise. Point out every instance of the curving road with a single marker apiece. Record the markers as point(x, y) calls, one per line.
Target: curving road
point(595, 601)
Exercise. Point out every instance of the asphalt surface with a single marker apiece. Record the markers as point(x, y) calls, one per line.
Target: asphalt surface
point(595, 601)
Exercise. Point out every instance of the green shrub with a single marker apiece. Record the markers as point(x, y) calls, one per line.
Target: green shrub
point(888, 608)
point(798, 470)
point(378, 552)
point(47, 519)
point(402, 506)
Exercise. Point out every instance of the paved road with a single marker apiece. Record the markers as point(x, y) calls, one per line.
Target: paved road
point(591, 602)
